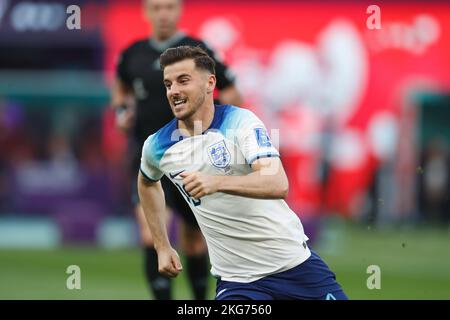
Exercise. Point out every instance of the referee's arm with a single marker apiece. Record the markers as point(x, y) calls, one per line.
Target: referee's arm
point(123, 103)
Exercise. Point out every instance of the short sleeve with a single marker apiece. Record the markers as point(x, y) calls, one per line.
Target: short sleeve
point(253, 138)
point(149, 167)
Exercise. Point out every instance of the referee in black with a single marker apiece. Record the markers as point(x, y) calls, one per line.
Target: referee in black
point(139, 99)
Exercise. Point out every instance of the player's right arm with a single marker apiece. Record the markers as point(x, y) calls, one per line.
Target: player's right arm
point(152, 200)
point(151, 196)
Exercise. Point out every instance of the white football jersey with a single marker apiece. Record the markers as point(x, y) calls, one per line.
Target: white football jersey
point(247, 238)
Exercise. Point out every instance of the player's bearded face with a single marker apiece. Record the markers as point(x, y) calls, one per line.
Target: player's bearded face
point(185, 88)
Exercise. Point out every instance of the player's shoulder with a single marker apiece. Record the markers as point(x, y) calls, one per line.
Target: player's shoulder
point(156, 144)
point(235, 114)
point(232, 117)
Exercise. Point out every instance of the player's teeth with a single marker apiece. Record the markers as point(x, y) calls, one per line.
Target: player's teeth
point(177, 102)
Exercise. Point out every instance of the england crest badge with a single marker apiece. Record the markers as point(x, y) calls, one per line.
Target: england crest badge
point(219, 155)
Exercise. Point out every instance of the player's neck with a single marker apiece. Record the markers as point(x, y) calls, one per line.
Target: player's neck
point(198, 122)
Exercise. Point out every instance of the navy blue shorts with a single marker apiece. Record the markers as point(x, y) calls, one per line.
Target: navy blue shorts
point(311, 279)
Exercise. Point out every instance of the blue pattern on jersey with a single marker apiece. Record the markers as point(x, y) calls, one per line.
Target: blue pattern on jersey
point(232, 119)
point(226, 117)
point(161, 141)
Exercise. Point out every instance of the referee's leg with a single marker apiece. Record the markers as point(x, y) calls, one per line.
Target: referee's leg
point(194, 247)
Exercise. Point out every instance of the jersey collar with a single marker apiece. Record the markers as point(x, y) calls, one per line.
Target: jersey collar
point(215, 123)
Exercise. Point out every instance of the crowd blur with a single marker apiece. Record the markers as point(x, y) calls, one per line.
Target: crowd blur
point(362, 115)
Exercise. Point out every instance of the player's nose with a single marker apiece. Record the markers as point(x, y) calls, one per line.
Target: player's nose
point(174, 90)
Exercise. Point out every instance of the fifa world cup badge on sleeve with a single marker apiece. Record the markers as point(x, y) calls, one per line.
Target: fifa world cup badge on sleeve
point(262, 138)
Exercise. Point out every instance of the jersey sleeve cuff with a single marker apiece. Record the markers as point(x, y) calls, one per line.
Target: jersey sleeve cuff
point(262, 155)
point(147, 177)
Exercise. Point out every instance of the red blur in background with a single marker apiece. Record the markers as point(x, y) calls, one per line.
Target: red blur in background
point(338, 92)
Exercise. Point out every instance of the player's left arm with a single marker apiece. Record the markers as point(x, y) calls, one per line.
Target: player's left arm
point(267, 181)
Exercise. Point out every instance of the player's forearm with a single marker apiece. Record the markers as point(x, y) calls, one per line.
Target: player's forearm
point(153, 203)
point(255, 185)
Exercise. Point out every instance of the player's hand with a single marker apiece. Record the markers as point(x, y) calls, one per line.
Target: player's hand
point(198, 184)
point(169, 262)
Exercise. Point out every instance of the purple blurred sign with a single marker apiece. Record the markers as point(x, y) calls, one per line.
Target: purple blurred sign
point(48, 23)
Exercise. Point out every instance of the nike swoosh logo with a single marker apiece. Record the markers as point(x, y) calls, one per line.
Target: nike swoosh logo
point(220, 292)
point(173, 175)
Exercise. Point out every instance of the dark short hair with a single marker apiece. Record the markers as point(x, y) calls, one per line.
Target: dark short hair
point(201, 59)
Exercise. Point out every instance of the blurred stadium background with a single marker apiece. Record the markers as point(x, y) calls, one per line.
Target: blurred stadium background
point(364, 119)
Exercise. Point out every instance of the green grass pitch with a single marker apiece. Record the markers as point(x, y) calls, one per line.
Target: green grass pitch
point(414, 264)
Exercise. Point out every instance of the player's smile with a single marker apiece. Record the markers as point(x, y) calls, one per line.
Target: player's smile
point(179, 103)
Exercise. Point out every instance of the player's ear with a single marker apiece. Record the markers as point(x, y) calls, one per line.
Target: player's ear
point(211, 84)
